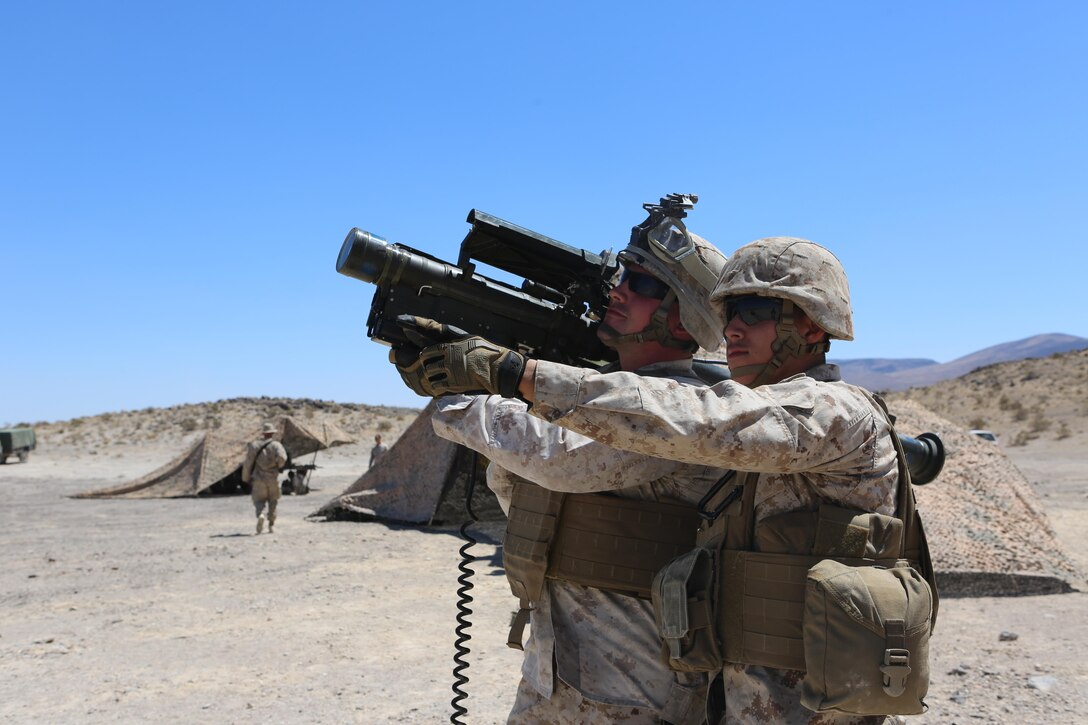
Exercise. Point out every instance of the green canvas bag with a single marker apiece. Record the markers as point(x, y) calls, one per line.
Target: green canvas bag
point(866, 639)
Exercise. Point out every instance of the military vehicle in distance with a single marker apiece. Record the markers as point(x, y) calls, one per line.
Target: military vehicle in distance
point(17, 442)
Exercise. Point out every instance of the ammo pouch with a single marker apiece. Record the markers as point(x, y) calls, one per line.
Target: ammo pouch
point(836, 593)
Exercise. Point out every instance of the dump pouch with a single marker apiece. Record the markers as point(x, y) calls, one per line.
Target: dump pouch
point(866, 639)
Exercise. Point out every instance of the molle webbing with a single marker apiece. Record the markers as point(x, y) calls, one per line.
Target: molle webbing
point(594, 539)
point(763, 602)
point(619, 544)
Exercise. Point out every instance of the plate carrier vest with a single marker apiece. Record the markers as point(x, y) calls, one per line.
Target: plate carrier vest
point(620, 545)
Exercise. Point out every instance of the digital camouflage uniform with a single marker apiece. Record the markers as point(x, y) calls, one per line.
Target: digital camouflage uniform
point(813, 438)
point(606, 651)
point(262, 470)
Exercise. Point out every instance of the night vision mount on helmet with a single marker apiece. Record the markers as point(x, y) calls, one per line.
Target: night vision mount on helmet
point(686, 262)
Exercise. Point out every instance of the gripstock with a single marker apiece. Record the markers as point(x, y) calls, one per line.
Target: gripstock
point(552, 315)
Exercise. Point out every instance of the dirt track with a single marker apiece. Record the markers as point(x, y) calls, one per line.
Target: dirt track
point(172, 610)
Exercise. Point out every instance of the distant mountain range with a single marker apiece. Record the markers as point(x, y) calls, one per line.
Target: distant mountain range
point(903, 373)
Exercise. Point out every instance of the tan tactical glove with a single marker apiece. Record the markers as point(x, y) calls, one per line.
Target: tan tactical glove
point(422, 333)
point(472, 365)
point(410, 367)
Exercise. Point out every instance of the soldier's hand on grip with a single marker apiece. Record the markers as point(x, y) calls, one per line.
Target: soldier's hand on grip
point(406, 359)
point(472, 365)
point(424, 332)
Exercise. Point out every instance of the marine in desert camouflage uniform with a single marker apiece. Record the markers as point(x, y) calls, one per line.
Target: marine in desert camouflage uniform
point(265, 458)
point(786, 414)
point(594, 655)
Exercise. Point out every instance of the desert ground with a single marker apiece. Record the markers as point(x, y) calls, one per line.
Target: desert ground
point(173, 610)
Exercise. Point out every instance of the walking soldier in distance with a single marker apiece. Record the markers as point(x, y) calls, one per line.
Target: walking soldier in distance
point(265, 458)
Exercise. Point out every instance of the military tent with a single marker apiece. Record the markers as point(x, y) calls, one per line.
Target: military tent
point(213, 462)
point(421, 480)
point(987, 531)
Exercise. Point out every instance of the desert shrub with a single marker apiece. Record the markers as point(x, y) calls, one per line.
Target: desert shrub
point(1063, 431)
point(1039, 423)
point(385, 425)
point(977, 423)
point(188, 425)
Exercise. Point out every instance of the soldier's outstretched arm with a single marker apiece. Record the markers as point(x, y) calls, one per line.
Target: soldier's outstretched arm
point(786, 427)
point(547, 454)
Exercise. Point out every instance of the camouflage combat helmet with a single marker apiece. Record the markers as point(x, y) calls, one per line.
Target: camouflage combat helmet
point(800, 273)
point(791, 269)
point(691, 280)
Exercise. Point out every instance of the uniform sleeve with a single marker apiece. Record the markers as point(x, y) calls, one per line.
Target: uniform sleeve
point(247, 464)
point(547, 454)
point(796, 425)
point(281, 454)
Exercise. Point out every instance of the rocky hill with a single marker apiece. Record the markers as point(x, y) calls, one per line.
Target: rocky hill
point(901, 374)
point(169, 427)
point(1022, 401)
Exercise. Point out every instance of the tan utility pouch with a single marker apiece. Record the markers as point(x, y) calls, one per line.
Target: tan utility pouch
point(683, 599)
point(866, 639)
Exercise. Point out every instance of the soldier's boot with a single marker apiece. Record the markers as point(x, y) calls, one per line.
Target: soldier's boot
point(271, 523)
point(260, 524)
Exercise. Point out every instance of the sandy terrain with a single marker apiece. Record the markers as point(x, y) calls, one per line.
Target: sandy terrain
point(173, 611)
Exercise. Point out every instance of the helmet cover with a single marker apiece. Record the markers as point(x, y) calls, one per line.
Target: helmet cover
point(792, 269)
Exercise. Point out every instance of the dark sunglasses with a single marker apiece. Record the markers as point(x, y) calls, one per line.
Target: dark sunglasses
point(644, 284)
point(753, 310)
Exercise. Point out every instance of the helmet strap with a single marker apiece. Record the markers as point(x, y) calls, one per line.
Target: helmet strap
point(788, 343)
point(656, 330)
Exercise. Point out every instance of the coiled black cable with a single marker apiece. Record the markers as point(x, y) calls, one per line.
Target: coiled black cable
point(463, 600)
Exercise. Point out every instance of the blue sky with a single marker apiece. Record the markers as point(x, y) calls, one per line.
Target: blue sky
point(176, 178)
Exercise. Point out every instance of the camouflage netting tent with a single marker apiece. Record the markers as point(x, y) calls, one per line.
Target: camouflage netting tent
point(213, 462)
point(420, 480)
point(987, 531)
